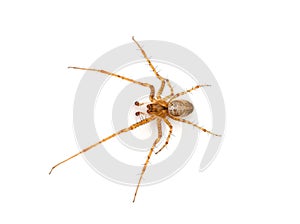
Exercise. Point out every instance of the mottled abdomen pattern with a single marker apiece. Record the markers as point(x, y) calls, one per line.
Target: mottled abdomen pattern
point(180, 108)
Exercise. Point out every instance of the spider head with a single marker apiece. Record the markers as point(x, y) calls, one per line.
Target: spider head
point(157, 109)
point(149, 108)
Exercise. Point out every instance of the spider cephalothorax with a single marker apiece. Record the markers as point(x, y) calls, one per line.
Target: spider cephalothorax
point(159, 109)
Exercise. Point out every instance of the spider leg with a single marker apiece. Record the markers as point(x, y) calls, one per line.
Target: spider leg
point(148, 60)
point(169, 135)
point(161, 88)
point(152, 90)
point(105, 139)
point(170, 87)
point(162, 79)
point(149, 155)
point(184, 92)
point(191, 123)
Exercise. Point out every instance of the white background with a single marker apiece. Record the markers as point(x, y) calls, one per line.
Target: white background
point(252, 47)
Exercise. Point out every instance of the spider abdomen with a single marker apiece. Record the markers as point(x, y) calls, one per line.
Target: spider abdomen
point(180, 108)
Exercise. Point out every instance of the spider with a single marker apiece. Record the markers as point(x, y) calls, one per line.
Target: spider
point(159, 109)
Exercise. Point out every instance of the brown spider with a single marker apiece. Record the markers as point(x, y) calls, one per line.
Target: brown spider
point(159, 109)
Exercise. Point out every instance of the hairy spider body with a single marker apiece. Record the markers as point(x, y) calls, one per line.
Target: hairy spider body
point(159, 109)
point(176, 108)
point(180, 108)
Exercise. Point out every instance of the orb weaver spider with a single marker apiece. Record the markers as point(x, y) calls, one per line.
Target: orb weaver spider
point(159, 109)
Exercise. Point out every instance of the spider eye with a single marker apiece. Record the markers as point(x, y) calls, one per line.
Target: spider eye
point(136, 103)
